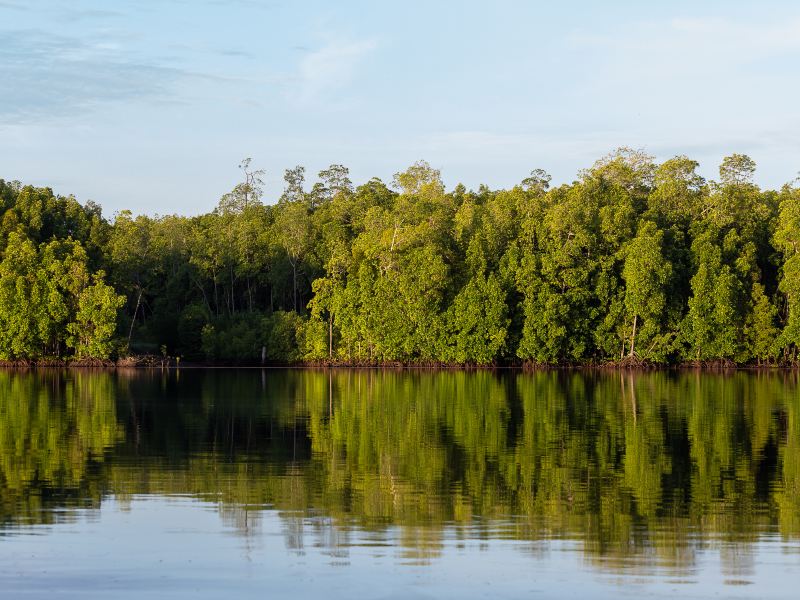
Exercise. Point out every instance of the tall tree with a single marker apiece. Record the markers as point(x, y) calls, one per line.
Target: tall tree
point(646, 274)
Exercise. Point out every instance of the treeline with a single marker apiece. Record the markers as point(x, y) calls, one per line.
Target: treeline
point(634, 261)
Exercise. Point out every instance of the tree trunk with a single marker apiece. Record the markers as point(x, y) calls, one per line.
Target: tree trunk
point(216, 295)
point(633, 334)
point(133, 320)
point(233, 300)
point(205, 297)
point(294, 285)
point(330, 335)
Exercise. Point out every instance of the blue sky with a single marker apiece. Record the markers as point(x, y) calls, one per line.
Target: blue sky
point(151, 105)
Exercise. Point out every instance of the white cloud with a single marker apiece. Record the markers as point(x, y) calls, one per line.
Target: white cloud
point(758, 38)
point(330, 68)
point(684, 47)
point(706, 31)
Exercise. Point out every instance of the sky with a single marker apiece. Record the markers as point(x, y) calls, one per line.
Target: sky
point(151, 105)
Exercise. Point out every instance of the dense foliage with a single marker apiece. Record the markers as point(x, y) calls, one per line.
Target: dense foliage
point(53, 299)
point(633, 261)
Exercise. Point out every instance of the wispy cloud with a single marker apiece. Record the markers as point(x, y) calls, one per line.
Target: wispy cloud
point(750, 38)
point(46, 75)
point(331, 68)
point(74, 14)
point(11, 5)
point(689, 46)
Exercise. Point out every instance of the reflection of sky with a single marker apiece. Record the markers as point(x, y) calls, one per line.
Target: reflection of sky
point(151, 105)
point(181, 548)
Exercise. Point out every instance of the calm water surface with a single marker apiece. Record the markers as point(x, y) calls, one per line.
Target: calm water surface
point(362, 484)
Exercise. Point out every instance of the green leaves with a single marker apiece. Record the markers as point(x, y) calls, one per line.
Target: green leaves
point(49, 302)
point(647, 275)
point(476, 323)
point(787, 239)
point(633, 260)
point(90, 334)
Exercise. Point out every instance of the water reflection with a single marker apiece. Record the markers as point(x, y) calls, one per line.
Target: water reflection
point(642, 471)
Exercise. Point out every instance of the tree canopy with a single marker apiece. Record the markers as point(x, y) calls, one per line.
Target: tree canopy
point(633, 260)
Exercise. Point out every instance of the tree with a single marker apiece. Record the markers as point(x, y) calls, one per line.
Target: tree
point(245, 194)
point(49, 300)
point(787, 240)
point(711, 327)
point(333, 181)
point(761, 333)
point(539, 180)
point(23, 314)
point(90, 334)
point(477, 325)
point(629, 168)
point(646, 274)
point(678, 194)
point(293, 231)
point(295, 179)
point(419, 179)
point(737, 170)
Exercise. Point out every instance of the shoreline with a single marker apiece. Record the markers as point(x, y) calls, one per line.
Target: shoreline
point(153, 363)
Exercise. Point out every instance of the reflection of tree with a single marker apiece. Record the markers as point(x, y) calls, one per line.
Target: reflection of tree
point(54, 427)
point(631, 467)
point(651, 466)
point(646, 459)
point(788, 493)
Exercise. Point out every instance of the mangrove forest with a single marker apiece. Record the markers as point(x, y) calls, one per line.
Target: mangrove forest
point(634, 262)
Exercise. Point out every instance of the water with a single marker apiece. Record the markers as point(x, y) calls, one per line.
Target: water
point(381, 484)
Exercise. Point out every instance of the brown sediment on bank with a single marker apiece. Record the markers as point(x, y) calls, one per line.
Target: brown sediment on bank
point(161, 362)
point(629, 364)
point(62, 363)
